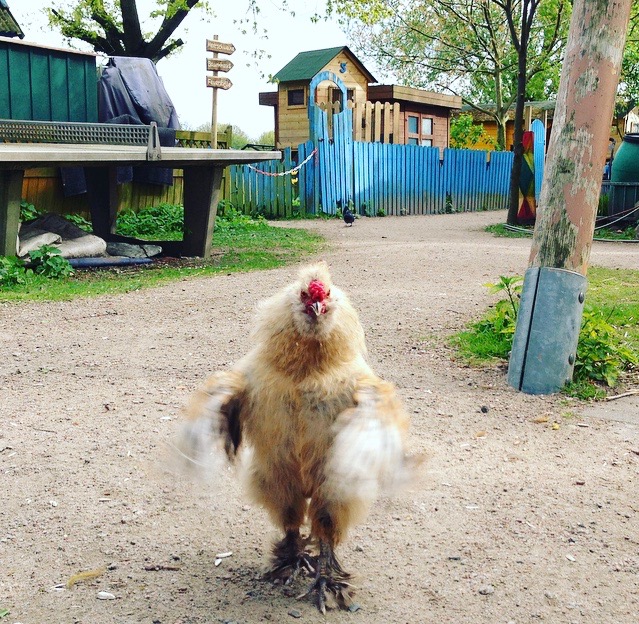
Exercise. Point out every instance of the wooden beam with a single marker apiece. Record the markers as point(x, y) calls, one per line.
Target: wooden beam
point(10, 198)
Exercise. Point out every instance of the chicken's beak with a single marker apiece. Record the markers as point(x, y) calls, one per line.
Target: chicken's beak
point(317, 308)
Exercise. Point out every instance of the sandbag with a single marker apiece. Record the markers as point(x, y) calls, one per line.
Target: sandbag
point(31, 238)
point(74, 242)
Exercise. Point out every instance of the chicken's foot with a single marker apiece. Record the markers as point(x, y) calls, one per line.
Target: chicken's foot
point(290, 558)
point(330, 582)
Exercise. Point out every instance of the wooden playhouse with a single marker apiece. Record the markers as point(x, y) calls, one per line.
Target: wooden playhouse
point(384, 113)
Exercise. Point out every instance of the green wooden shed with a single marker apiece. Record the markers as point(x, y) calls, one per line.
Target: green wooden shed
point(41, 83)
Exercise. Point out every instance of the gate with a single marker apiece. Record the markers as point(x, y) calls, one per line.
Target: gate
point(333, 173)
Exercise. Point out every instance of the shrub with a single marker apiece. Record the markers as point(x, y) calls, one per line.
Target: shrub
point(165, 220)
point(80, 221)
point(465, 133)
point(12, 271)
point(28, 212)
point(48, 262)
point(601, 353)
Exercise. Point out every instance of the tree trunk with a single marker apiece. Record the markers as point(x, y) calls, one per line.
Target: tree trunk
point(518, 130)
point(579, 139)
point(547, 333)
point(501, 132)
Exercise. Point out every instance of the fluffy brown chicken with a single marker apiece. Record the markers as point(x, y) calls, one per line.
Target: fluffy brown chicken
point(326, 434)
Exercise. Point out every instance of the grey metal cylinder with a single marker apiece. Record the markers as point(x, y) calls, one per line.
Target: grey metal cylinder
point(544, 347)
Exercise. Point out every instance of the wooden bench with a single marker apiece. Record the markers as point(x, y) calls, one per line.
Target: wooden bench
point(101, 148)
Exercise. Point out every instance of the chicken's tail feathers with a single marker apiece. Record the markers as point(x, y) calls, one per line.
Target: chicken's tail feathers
point(368, 458)
point(212, 431)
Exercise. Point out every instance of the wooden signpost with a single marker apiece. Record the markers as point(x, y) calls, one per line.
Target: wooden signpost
point(216, 82)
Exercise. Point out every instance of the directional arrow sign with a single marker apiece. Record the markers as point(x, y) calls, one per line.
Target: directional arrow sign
point(213, 64)
point(218, 82)
point(213, 45)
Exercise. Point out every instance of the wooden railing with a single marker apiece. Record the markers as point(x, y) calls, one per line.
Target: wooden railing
point(187, 138)
point(373, 122)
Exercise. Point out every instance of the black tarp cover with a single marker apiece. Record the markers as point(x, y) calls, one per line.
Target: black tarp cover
point(132, 86)
point(130, 91)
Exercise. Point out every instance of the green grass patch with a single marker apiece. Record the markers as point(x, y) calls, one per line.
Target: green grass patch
point(608, 350)
point(240, 243)
point(612, 233)
point(500, 229)
point(525, 231)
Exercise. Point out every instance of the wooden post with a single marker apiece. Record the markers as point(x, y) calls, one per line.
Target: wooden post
point(216, 65)
point(543, 354)
point(214, 107)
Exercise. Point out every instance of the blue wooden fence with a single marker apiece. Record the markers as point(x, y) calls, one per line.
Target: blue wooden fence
point(539, 130)
point(381, 179)
point(373, 178)
point(266, 188)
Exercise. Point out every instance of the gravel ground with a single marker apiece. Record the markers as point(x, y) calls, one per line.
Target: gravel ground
point(513, 520)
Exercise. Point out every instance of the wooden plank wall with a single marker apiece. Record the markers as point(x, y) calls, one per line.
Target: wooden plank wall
point(43, 189)
point(377, 122)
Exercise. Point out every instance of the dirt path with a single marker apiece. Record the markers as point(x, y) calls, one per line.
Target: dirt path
point(512, 521)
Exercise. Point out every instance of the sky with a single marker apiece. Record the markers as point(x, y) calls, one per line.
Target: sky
point(184, 74)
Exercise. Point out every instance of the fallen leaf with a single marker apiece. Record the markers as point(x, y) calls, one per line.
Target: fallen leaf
point(88, 575)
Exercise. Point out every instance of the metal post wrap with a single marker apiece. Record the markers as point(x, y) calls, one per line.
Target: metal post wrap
point(545, 342)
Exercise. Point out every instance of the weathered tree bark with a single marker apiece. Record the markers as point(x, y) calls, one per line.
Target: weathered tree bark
point(579, 139)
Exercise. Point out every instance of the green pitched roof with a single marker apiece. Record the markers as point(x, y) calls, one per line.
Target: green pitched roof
point(307, 64)
point(8, 25)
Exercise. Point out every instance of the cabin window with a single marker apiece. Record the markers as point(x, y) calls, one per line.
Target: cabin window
point(419, 130)
point(336, 95)
point(296, 97)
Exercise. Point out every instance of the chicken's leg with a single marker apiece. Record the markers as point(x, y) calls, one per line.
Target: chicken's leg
point(330, 581)
point(290, 558)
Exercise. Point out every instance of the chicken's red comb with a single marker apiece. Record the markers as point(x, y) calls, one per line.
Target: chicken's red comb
point(317, 291)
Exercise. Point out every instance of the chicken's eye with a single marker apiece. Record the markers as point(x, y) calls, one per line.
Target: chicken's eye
point(304, 295)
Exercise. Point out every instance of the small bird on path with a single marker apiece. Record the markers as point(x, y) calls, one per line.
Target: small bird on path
point(349, 217)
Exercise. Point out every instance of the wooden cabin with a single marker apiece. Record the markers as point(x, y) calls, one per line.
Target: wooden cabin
point(386, 113)
point(542, 110)
point(424, 115)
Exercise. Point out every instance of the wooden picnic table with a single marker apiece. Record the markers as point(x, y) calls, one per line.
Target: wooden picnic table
point(202, 183)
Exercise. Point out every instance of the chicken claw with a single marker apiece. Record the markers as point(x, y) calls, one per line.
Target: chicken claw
point(330, 583)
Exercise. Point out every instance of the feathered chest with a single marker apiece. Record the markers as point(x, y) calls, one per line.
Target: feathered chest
point(286, 411)
point(299, 358)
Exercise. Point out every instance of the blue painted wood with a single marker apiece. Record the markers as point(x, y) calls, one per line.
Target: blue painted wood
point(539, 146)
point(398, 179)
